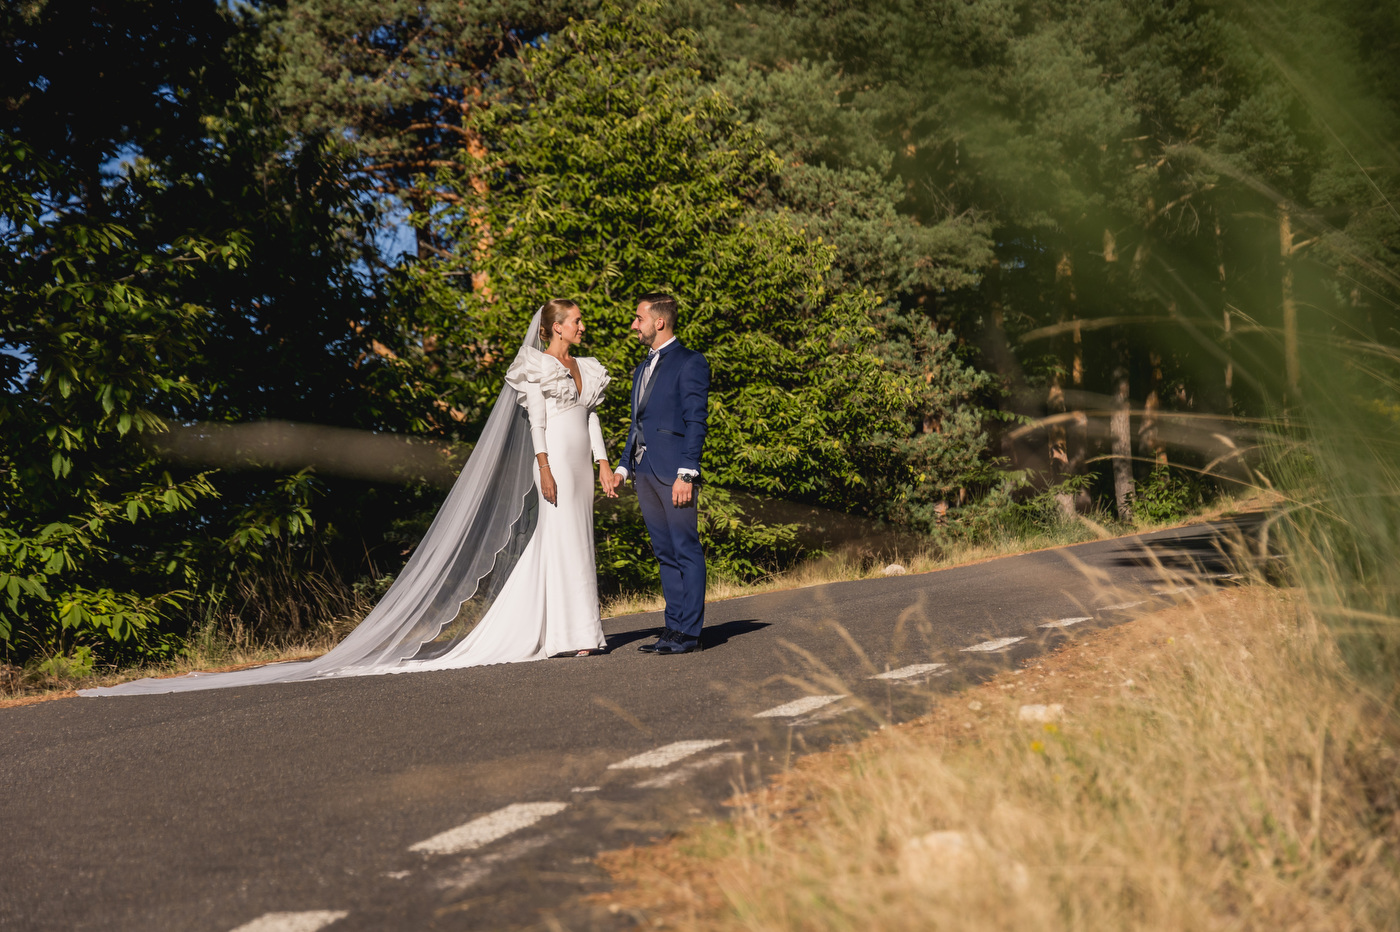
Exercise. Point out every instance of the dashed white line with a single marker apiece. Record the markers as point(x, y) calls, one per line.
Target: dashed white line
point(989, 646)
point(903, 673)
point(586, 789)
point(680, 774)
point(666, 755)
point(472, 870)
point(1065, 622)
point(308, 921)
point(1172, 590)
point(488, 828)
point(798, 707)
point(1120, 605)
point(821, 715)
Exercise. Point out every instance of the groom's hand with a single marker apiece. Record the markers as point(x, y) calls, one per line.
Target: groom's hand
point(682, 493)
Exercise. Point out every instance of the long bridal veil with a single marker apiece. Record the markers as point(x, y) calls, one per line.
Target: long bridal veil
point(451, 579)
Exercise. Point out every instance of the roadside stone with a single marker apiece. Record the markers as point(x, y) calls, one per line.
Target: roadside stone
point(948, 860)
point(894, 569)
point(1041, 713)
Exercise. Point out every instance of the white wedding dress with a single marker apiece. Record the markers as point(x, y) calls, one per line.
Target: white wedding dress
point(496, 553)
point(549, 603)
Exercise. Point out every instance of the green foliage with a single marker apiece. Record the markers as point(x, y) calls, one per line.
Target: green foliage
point(736, 546)
point(613, 172)
point(1340, 527)
point(1167, 495)
point(1011, 509)
point(896, 230)
point(401, 73)
point(69, 667)
point(99, 339)
point(51, 578)
point(205, 277)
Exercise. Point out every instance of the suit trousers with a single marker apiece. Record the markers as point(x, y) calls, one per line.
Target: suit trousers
point(675, 538)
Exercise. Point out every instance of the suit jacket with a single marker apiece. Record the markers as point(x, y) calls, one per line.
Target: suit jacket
point(672, 416)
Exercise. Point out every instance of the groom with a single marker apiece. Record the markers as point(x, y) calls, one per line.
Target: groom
point(670, 398)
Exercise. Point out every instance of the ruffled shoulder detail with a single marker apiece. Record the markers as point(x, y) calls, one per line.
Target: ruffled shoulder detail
point(595, 380)
point(532, 366)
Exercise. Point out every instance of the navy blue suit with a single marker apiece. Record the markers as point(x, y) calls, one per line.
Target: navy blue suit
point(668, 425)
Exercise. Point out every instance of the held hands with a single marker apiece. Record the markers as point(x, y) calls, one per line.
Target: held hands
point(608, 479)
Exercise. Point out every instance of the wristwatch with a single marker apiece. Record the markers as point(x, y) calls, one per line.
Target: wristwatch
point(685, 477)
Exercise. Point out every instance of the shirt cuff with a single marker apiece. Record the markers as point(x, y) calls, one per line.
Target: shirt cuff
point(621, 471)
point(687, 472)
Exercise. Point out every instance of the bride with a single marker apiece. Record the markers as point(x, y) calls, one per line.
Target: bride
point(549, 605)
point(511, 548)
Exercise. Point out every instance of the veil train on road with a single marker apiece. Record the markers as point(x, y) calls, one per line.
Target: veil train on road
point(466, 555)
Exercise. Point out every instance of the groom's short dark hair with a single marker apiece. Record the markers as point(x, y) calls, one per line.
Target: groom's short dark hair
point(661, 304)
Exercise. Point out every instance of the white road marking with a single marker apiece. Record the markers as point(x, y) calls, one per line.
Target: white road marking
point(398, 875)
point(680, 774)
point(666, 755)
point(488, 828)
point(476, 869)
point(989, 646)
point(1065, 622)
point(1114, 608)
point(1172, 590)
point(586, 789)
point(798, 707)
point(822, 715)
point(903, 673)
point(308, 921)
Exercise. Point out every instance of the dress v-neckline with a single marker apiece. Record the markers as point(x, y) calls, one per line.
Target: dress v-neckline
point(577, 380)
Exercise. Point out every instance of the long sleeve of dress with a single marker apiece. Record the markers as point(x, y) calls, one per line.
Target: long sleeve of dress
point(595, 436)
point(525, 377)
point(539, 418)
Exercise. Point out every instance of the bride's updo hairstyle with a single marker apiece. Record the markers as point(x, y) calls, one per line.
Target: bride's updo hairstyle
point(554, 311)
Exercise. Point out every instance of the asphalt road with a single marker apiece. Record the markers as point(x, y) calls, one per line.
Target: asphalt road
point(477, 799)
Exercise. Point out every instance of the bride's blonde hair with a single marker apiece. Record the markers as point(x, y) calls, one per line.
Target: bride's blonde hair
point(554, 311)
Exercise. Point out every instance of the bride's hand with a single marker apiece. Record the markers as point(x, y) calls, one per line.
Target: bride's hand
point(607, 479)
point(548, 490)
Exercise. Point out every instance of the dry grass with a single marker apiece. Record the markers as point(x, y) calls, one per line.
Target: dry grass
point(1217, 768)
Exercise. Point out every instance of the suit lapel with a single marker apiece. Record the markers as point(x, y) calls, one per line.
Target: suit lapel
point(637, 390)
point(646, 391)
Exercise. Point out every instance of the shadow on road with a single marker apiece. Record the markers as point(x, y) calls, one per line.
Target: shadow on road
point(711, 636)
point(1229, 547)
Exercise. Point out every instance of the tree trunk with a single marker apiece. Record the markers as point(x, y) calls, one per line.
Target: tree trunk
point(1148, 434)
point(1079, 429)
point(1292, 394)
point(1067, 441)
point(1002, 360)
point(1229, 399)
point(1120, 429)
